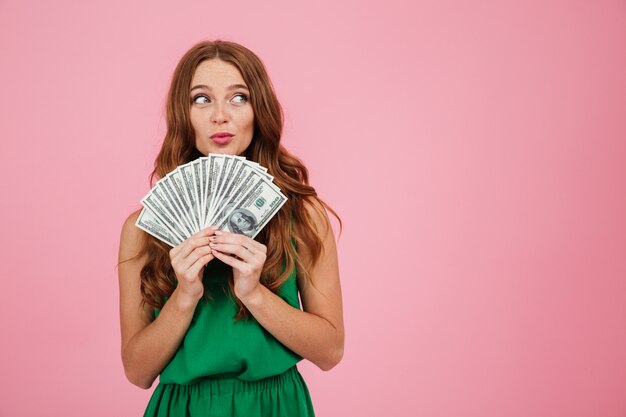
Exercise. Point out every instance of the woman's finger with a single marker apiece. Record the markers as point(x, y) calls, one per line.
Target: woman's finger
point(192, 242)
point(195, 268)
point(230, 260)
point(238, 239)
point(244, 252)
point(199, 252)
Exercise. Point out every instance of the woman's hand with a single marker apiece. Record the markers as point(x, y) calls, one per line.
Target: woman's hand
point(189, 259)
point(248, 263)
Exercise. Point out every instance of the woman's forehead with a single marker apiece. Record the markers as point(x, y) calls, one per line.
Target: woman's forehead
point(216, 73)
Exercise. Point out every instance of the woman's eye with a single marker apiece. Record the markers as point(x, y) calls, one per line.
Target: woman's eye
point(240, 98)
point(201, 99)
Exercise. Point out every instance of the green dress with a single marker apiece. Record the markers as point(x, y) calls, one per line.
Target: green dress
point(229, 368)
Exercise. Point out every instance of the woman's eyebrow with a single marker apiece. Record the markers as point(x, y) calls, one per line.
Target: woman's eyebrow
point(230, 87)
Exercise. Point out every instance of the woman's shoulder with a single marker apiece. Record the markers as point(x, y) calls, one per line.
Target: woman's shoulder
point(132, 237)
point(316, 211)
point(128, 228)
point(132, 218)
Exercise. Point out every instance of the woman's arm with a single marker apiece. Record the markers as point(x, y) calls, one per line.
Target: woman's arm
point(147, 344)
point(317, 333)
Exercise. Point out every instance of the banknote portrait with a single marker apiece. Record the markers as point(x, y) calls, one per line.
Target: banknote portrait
point(242, 221)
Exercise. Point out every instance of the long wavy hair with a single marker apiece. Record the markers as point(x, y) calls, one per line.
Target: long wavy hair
point(290, 175)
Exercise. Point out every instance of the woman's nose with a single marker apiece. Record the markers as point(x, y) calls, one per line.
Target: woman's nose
point(219, 114)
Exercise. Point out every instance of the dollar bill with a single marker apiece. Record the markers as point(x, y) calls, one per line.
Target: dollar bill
point(152, 203)
point(247, 182)
point(203, 179)
point(177, 181)
point(227, 191)
point(169, 192)
point(225, 185)
point(214, 163)
point(222, 176)
point(250, 214)
point(197, 184)
point(151, 224)
point(186, 174)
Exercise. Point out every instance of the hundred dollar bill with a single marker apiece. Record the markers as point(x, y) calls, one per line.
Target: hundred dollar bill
point(221, 178)
point(250, 214)
point(246, 184)
point(236, 189)
point(152, 203)
point(151, 224)
point(167, 189)
point(159, 197)
point(203, 179)
point(214, 163)
point(177, 181)
point(197, 183)
point(189, 191)
point(261, 169)
point(226, 191)
point(225, 186)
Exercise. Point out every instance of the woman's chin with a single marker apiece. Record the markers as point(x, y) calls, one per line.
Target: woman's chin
point(228, 149)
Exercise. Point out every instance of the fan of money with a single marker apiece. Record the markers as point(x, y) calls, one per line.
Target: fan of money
point(227, 191)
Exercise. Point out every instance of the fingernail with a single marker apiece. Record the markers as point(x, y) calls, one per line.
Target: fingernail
point(215, 228)
point(219, 232)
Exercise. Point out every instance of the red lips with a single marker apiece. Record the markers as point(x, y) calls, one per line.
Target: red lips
point(221, 138)
point(220, 135)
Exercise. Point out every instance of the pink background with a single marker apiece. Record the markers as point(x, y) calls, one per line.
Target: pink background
point(475, 150)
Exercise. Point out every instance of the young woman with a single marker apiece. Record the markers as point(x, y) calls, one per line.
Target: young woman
point(217, 317)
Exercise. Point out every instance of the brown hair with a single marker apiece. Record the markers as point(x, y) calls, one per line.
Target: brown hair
point(290, 175)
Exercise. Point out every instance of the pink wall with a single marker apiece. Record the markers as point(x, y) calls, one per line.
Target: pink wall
point(475, 150)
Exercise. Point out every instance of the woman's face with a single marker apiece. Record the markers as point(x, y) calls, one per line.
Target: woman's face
point(220, 103)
